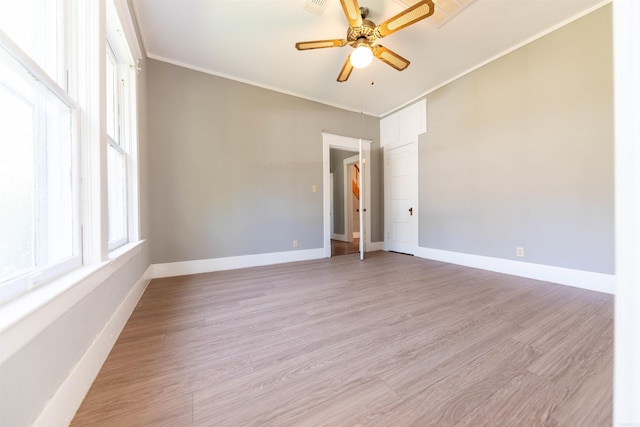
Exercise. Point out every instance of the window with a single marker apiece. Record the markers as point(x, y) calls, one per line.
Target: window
point(121, 133)
point(52, 141)
point(37, 27)
point(116, 154)
point(39, 221)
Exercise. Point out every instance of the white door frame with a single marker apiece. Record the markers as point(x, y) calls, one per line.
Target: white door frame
point(626, 45)
point(330, 141)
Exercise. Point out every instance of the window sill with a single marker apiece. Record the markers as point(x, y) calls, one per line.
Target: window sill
point(24, 318)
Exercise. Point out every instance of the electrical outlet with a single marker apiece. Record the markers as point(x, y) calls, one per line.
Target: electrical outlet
point(295, 243)
point(520, 251)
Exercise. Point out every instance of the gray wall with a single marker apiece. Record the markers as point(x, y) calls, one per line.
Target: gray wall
point(232, 166)
point(520, 153)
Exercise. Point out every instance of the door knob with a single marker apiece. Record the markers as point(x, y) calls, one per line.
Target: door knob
point(411, 211)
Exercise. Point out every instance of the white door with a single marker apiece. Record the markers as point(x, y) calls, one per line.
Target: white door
point(362, 208)
point(331, 211)
point(401, 198)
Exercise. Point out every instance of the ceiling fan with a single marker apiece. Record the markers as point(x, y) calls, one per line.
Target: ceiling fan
point(363, 35)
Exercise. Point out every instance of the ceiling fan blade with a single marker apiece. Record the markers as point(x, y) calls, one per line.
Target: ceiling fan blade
point(390, 57)
point(319, 44)
point(415, 13)
point(346, 70)
point(352, 12)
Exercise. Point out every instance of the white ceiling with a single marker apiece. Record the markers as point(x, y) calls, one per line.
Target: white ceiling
point(253, 41)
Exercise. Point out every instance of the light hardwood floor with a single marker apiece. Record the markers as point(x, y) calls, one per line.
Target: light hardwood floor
point(390, 341)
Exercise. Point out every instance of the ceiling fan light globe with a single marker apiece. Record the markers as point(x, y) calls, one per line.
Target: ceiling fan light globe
point(361, 57)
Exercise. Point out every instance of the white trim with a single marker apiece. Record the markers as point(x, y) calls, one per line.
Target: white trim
point(25, 283)
point(626, 55)
point(564, 276)
point(33, 68)
point(184, 268)
point(350, 160)
point(91, 86)
point(62, 407)
point(128, 28)
point(499, 55)
point(341, 237)
point(24, 318)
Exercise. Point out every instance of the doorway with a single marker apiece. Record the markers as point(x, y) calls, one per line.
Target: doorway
point(352, 196)
point(362, 148)
point(345, 201)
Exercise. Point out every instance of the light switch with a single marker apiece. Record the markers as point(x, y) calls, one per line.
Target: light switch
point(315, 188)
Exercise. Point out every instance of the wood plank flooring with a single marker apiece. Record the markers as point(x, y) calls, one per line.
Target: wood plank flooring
point(344, 248)
point(391, 341)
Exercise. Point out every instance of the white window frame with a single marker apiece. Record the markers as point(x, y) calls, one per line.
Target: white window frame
point(39, 275)
point(118, 48)
point(24, 317)
point(80, 85)
point(119, 142)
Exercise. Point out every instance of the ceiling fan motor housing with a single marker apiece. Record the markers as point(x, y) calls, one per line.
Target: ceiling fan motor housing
point(366, 31)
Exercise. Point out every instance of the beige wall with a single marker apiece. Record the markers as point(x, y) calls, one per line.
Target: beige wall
point(520, 153)
point(143, 152)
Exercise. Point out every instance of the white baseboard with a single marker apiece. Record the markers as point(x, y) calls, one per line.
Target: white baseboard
point(183, 268)
point(62, 407)
point(564, 276)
